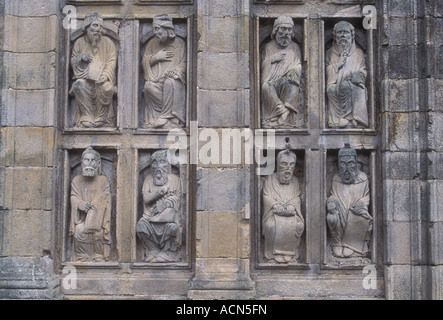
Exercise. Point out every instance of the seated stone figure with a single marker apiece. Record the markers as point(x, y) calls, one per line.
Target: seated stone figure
point(90, 211)
point(348, 218)
point(159, 228)
point(164, 64)
point(94, 63)
point(283, 223)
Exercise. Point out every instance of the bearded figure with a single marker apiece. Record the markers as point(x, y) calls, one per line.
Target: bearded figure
point(164, 64)
point(348, 218)
point(94, 63)
point(346, 78)
point(280, 76)
point(283, 223)
point(159, 228)
point(90, 211)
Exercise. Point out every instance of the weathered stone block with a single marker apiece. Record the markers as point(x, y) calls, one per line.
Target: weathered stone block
point(435, 165)
point(26, 233)
point(400, 95)
point(223, 71)
point(435, 132)
point(29, 71)
point(435, 201)
point(29, 146)
point(227, 35)
point(223, 108)
point(406, 282)
point(436, 281)
point(222, 190)
point(28, 188)
point(436, 240)
point(403, 131)
point(398, 242)
point(403, 200)
point(28, 108)
point(402, 31)
point(27, 278)
point(435, 94)
point(219, 8)
point(401, 165)
point(25, 34)
point(35, 8)
point(436, 30)
point(401, 8)
point(403, 62)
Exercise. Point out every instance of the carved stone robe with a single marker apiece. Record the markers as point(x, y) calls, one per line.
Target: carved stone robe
point(282, 233)
point(275, 75)
point(164, 95)
point(346, 89)
point(351, 230)
point(91, 230)
point(160, 230)
point(93, 100)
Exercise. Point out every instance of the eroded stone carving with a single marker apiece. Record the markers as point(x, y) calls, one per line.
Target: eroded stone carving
point(280, 76)
point(90, 211)
point(348, 218)
point(164, 65)
point(346, 78)
point(283, 223)
point(159, 229)
point(94, 63)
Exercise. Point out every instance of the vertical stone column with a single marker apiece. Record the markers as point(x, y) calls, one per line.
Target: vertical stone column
point(222, 216)
point(434, 87)
point(28, 130)
point(405, 141)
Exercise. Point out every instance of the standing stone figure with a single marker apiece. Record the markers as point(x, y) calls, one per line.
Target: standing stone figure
point(280, 76)
point(346, 78)
point(94, 62)
point(164, 65)
point(348, 218)
point(283, 223)
point(90, 211)
point(159, 228)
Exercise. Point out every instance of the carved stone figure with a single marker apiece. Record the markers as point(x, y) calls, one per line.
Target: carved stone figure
point(283, 223)
point(159, 228)
point(164, 65)
point(348, 218)
point(280, 76)
point(90, 211)
point(346, 78)
point(94, 62)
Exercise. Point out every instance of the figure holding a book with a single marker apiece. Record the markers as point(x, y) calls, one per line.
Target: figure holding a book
point(94, 63)
point(90, 211)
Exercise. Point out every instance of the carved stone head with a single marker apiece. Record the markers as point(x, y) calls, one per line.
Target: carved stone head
point(344, 34)
point(283, 31)
point(285, 166)
point(91, 163)
point(163, 28)
point(161, 167)
point(347, 164)
point(93, 26)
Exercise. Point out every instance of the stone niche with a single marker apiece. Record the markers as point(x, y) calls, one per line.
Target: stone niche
point(73, 169)
point(171, 100)
point(269, 229)
point(358, 234)
point(178, 172)
point(357, 70)
point(92, 107)
point(296, 119)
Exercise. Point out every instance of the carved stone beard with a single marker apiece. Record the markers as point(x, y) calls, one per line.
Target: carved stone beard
point(89, 171)
point(283, 40)
point(284, 177)
point(160, 177)
point(345, 46)
point(94, 37)
point(348, 176)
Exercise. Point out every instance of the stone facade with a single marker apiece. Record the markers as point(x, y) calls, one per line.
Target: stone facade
point(209, 242)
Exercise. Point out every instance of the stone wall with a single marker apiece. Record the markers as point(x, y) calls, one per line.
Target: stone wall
point(222, 248)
